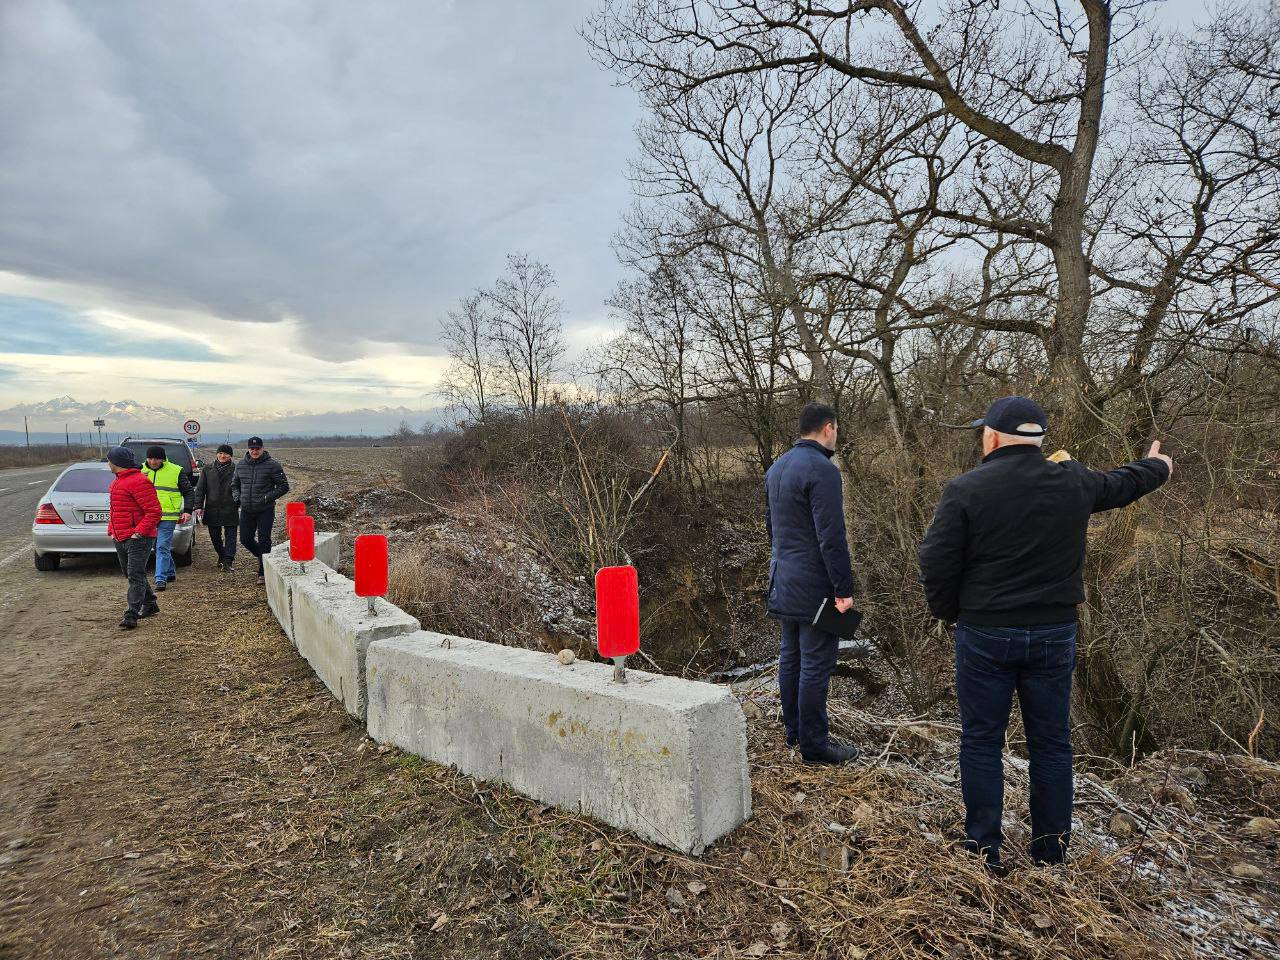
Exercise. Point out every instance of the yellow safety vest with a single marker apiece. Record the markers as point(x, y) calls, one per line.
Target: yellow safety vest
point(165, 480)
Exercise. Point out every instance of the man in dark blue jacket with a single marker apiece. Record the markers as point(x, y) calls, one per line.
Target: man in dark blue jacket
point(1004, 559)
point(809, 563)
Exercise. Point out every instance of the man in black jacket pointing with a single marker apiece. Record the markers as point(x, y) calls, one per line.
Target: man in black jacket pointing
point(1004, 559)
point(808, 563)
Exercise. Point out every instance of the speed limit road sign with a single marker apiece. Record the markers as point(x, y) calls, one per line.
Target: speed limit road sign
point(191, 428)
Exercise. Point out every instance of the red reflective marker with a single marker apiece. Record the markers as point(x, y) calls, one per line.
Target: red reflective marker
point(302, 539)
point(371, 567)
point(294, 508)
point(618, 616)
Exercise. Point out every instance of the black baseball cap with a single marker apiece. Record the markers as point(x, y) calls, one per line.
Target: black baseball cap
point(1019, 416)
point(254, 442)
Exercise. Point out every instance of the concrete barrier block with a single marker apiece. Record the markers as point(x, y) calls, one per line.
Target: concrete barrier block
point(332, 628)
point(280, 573)
point(662, 757)
point(329, 550)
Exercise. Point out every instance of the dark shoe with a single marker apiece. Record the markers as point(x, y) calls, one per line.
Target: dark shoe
point(793, 741)
point(990, 858)
point(229, 568)
point(261, 579)
point(159, 587)
point(129, 622)
point(221, 566)
point(832, 755)
point(149, 610)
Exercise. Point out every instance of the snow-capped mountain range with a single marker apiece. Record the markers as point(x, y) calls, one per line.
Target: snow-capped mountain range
point(49, 419)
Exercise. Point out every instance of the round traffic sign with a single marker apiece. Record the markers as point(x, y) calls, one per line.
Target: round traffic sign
point(191, 428)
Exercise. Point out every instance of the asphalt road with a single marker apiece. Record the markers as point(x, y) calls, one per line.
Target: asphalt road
point(20, 493)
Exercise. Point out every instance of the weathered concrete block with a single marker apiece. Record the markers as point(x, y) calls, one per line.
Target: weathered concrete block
point(662, 757)
point(280, 574)
point(329, 550)
point(332, 628)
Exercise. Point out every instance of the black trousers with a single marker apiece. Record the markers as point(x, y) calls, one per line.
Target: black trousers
point(806, 661)
point(255, 531)
point(133, 555)
point(223, 538)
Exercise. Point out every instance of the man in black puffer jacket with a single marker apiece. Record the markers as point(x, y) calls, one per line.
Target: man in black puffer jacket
point(258, 483)
point(809, 563)
point(216, 508)
point(1004, 558)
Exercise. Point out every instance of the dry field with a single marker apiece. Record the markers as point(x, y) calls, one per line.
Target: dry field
point(191, 790)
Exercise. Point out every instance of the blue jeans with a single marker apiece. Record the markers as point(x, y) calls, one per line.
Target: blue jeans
point(805, 664)
point(1037, 662)
point(165, 570)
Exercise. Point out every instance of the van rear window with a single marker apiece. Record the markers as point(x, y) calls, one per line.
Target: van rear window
point(84, 481)
point(174, 452)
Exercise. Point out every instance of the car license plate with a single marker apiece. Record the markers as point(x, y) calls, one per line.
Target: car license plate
point(96, 516)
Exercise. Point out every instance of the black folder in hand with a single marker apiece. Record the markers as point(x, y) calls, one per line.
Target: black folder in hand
point(829, 619)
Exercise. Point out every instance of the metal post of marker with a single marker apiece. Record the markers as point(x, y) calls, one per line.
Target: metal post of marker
point(373, 610)
point(619, 669)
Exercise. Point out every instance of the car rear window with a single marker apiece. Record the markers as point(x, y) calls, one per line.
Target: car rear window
point(174, 452)
point(84, 481)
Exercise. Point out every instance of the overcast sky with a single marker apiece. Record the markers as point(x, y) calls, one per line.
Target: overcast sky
point(277, 200)
point(266, 204)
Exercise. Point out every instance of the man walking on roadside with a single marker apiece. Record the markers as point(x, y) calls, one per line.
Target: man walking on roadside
point(173, 487)
point(258, 483)
point(809, 563)
point(217, 509)
point(1003, 559)
point(131, 523)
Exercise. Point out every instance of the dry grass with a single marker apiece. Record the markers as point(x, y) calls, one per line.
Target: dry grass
point(267, 825)
point(43, 454)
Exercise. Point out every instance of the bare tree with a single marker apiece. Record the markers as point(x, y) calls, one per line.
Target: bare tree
point(526, 332)
point(468, 384)
point(1031, 172)
point(658, 358)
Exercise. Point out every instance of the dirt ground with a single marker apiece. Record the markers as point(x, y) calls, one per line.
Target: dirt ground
point(191, 790)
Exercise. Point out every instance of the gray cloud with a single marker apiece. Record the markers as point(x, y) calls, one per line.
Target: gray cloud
point(357, 165)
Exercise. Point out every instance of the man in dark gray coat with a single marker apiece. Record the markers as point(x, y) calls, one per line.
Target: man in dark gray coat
point(216, 508)
point(258, 483)
point(809, 563)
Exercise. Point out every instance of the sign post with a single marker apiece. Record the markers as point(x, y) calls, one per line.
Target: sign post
point(100, 423)
point(618, 616)
point(192, 429)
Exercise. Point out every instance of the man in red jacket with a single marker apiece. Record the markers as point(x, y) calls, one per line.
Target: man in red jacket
point(135, 515)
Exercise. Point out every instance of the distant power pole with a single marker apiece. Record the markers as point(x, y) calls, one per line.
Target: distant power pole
point(67, 428)
point(27, 432)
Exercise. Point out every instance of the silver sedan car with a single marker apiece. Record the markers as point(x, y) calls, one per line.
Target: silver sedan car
point(72, 518)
